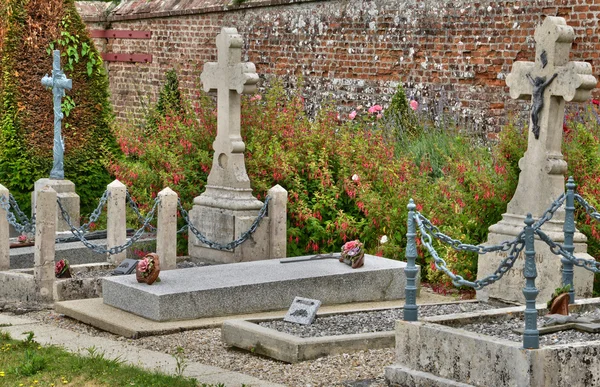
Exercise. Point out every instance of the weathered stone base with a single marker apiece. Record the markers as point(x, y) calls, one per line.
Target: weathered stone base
point(429, 353)
point(549, 266)
point(223, 226)
point(251, 287)
point(65, 192)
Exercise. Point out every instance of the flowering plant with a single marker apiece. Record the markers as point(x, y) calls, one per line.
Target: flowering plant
point(61, 268)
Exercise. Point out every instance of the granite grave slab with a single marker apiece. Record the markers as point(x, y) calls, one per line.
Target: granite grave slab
point(250, 287)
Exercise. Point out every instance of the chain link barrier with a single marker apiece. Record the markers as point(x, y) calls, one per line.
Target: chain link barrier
point(79, 234)
point(136, 210)
point(550, 211)
point(558, 249)
point(514, 248)
point(589, 209)
point(228, 246)
point(92, 219)
point(17, 219)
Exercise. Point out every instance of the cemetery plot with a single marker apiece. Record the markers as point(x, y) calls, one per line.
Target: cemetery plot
point(331, 333)
point(481, 349)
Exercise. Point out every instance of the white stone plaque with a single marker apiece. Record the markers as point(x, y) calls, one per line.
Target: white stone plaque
point(302, 311)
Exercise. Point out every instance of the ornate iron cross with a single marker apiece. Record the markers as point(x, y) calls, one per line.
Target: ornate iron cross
point(58, 82)
point(230, 77)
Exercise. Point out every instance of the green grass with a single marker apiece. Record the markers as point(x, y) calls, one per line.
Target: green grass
point(27, 363)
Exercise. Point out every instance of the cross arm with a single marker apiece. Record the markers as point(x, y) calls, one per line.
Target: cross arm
point(519, 85)
point(246, 84)
point(576, 81)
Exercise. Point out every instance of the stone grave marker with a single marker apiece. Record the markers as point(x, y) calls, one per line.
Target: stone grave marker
point(126, 267)
point(550, 81)
point(302, 311)
point(65, 189)
point(227, 208)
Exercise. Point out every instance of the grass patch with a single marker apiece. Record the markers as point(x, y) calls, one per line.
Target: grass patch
point(27, 363)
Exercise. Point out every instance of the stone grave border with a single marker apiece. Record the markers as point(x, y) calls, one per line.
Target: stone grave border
point(465, 358)
point(247, 334)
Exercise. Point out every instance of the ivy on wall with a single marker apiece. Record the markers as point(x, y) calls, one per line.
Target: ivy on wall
point(29, 31)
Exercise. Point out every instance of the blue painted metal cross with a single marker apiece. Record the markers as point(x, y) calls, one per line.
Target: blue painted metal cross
point(58, 82)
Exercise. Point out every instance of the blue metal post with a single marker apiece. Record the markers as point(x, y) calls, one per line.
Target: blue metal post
point(569, 229)
point(531, 335)
point(411, 312)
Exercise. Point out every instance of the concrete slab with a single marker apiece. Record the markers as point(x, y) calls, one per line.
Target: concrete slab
point(251, 287)
point(96, 313)
point(75, 252)
point(150, 360)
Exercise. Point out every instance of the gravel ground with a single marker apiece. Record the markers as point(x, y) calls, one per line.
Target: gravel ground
point(504, 329)
point(364, 322)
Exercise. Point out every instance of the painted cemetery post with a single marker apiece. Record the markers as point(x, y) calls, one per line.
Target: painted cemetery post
point(65, 189)
point(227, 208)
point(549, 81)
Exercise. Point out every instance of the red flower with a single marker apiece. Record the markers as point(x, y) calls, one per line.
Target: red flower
point(596, 102)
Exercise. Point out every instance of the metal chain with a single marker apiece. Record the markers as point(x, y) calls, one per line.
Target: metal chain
point(28, 226)
point(558, 249)
point(588, 207)
point(515, 246)
point(136, 210)
point(97, 212)
point(550, 211)
point(233, 244)
point(458, 245)
point(113, 250)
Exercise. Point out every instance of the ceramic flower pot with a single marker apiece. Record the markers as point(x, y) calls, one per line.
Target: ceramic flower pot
point(560, 305)
point(356, 261)
point(152, 276)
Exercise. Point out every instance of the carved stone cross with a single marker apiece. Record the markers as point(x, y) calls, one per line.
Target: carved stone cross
point(551, 81)
point(58, 82)
point(231, 78)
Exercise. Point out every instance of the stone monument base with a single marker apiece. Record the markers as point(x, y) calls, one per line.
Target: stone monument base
point(224, 225)
point(251, 287)
point(65, 191)
point(549, 265)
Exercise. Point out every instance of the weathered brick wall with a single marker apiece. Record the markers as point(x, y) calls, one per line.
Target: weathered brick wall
point(453, 54)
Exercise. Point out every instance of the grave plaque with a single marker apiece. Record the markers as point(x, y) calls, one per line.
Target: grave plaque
point(126, 267)
point(302, 311)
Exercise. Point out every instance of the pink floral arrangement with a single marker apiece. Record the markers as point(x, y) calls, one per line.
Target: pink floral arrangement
point(375, 109)
point(352, 248)
point(145, 266)
point(61, 267)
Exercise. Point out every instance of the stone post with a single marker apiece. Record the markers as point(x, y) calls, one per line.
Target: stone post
point(411, 312)
point(166, 235)
point(45, 234)
point(278, 221)
point(116, 231)
point(569, 230)
point(4, 234)
point(531, 335)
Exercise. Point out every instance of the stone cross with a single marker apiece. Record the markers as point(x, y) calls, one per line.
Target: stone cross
point(550, 81)
point(230, 77)
point(58, 82)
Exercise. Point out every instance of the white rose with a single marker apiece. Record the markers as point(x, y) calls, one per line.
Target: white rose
point(383, 239)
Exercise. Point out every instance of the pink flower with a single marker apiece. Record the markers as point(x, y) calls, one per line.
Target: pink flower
point(375, 109)
point(379, 116)
point(352, 115)
point(257, 97)
point(414, 105)
point(143, 265)
point(596, 102)
point(355, 178)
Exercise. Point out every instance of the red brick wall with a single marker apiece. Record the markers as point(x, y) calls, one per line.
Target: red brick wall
point(453, 54)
